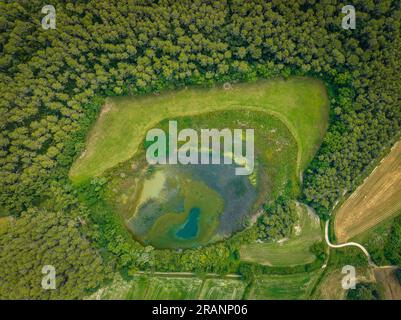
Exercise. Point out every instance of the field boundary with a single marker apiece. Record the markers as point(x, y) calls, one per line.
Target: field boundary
point(355, 199)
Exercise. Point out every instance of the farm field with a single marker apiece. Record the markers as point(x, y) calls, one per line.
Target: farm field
point(148, 287)
point(300, 103)
point(145, 287)
point(330, 288)
point(151, 287)
point(387, 279)
point(377, 199)
point(222, 289)
point(375, 239)
point(163, 288)
point(276, 287)
point(293, 251)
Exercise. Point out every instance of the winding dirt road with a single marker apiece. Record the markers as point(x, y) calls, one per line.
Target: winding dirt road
point(347, 244)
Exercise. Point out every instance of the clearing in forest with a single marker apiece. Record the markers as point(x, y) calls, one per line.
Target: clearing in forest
point(300, 103)
point(290, 252)
point(377, 199)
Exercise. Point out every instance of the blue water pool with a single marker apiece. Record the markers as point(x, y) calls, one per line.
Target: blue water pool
point(190, 228)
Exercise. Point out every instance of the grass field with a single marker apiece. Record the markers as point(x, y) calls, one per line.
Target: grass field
point(294, 251)
point(377, 199)
point(163, 288)
point(330, 287)
point(277, 287)
point(222, 289)
point(151, 287)
point(300, 103)
point(375, 239)
point(148, 287)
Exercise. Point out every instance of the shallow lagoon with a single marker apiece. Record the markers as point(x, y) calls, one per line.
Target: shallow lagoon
point(156, 200)
point(190, 228)
point(183, 206)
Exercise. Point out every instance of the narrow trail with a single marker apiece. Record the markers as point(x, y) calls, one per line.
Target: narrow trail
point(190, 274)
point(347, 244)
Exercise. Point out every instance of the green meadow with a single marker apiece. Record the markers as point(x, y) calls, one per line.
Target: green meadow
point(300, 103)
point(169, 287)
point(186, 287)
point(292, 251)
point(287, 287)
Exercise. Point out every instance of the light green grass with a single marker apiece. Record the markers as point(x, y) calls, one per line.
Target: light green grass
point(301, 103)
point(149, 287)
point(174, 287)
point(164, 288)
point(288, 287)
point(294, 251)
point(222, 289)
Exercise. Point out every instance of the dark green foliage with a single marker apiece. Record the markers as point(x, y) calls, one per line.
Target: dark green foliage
point(348, 255)
point(364, 291)
point(318, 249)
point(398, 274)
point(40, 238)
point(384, 242)
point(392, 249)
point(278, 221)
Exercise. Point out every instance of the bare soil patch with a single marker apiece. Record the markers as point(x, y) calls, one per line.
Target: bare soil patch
point(378, 198)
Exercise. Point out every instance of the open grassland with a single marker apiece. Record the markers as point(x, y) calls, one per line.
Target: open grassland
point(277, 287)
point(291, 252)
point(185, 287)
point(375, 240)
point(300, 103)
point(222, 289)
point(164, 288)
point(147, 287)
point(150, 287)
point(377, 199)
point(330, 287)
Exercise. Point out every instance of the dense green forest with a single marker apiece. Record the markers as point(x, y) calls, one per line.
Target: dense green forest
point(52, 84)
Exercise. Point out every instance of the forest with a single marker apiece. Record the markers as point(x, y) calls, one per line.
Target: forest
point(53, 83)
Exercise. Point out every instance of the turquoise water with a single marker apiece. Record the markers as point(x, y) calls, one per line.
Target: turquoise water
point(190, 228)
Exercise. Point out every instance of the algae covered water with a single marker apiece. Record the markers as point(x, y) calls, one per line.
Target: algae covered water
point(184, 206)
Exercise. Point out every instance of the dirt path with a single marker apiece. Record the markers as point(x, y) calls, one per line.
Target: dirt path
point(190, 274)
point(347, 244)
